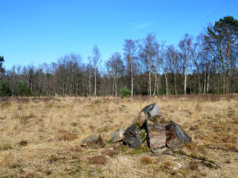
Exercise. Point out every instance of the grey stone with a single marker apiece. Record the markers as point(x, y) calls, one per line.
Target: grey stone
point(176, 136)
point(94, 140)
point(132, 136)
point(117, 136)
point(151, 110)
point(162, 133)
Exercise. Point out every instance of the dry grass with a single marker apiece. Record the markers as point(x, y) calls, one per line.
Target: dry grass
point(146, 160)
point(40, 137)
point(97, 160)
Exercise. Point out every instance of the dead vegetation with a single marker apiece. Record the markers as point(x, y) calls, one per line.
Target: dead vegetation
point(40, 137)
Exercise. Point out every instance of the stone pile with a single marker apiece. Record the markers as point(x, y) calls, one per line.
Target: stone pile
point(148, 126)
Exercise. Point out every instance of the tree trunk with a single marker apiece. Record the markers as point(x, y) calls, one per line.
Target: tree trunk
point(131, 70)
point(155, 87)
point(223, 71)
point(208, 77)
point(220, 87)
point(227, 67)
point(149, 77)
point(204, 79)
point(223, 77)
point(185, 74)
point(115, 86)
point(166, 83)
point(156, 77)
point(132, 85)
point(89, 83)
point(95, 82)
point(185, 81)
point(175, 85)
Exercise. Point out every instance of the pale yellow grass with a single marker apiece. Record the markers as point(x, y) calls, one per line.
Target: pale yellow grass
point(41, 137)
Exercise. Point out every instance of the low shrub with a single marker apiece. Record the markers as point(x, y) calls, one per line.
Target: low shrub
point(125, 92)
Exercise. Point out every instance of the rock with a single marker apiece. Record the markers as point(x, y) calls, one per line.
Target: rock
point(151, 110)
point(132, 136)
point(176, 136)
point(156, 135)
point(148, 112)
point(94, 140)
point(117, 136)
point(161, 134)
point(140, 119)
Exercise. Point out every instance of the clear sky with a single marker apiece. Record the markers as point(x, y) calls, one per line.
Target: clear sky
point(33, 32)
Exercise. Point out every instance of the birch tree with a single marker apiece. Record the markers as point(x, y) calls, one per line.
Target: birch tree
point(96, 59)
point(172, 57)
point(147, 53)
point(185, 47)
point(115, 68)
point(130, 48)
point(157, 63)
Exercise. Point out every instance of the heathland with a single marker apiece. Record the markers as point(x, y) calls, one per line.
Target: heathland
point(40, 137)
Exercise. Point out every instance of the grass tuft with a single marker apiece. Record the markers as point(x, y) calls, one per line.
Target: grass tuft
point(109, 152)
point(99, 160)
point(146, 160)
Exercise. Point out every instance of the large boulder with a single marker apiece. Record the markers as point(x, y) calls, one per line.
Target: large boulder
point(175, 135)
point(132, 136)
point(95, 140)
point(156, 135)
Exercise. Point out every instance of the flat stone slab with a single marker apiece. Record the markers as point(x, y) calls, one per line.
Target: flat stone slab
point(94, 140)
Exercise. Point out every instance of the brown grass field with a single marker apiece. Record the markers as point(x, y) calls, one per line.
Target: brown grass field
point(40, 137)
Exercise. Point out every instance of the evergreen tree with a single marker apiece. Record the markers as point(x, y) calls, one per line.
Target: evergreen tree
point(1, 67)
point(22, 89)
point(4, 89)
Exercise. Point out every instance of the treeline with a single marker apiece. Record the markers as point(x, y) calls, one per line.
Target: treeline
point(205, 64)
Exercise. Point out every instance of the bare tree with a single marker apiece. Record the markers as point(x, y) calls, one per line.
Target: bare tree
point(174, 56)
point(185, 47)
point(196, 50)
point(158, 61)
point(115, 67)
point(172, 65)
point(90, 71)
point(208, 65)
point(147, 53)
point(130, 48)
point(96, 60)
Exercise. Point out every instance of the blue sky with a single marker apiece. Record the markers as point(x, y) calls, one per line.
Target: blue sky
point(33, 32)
